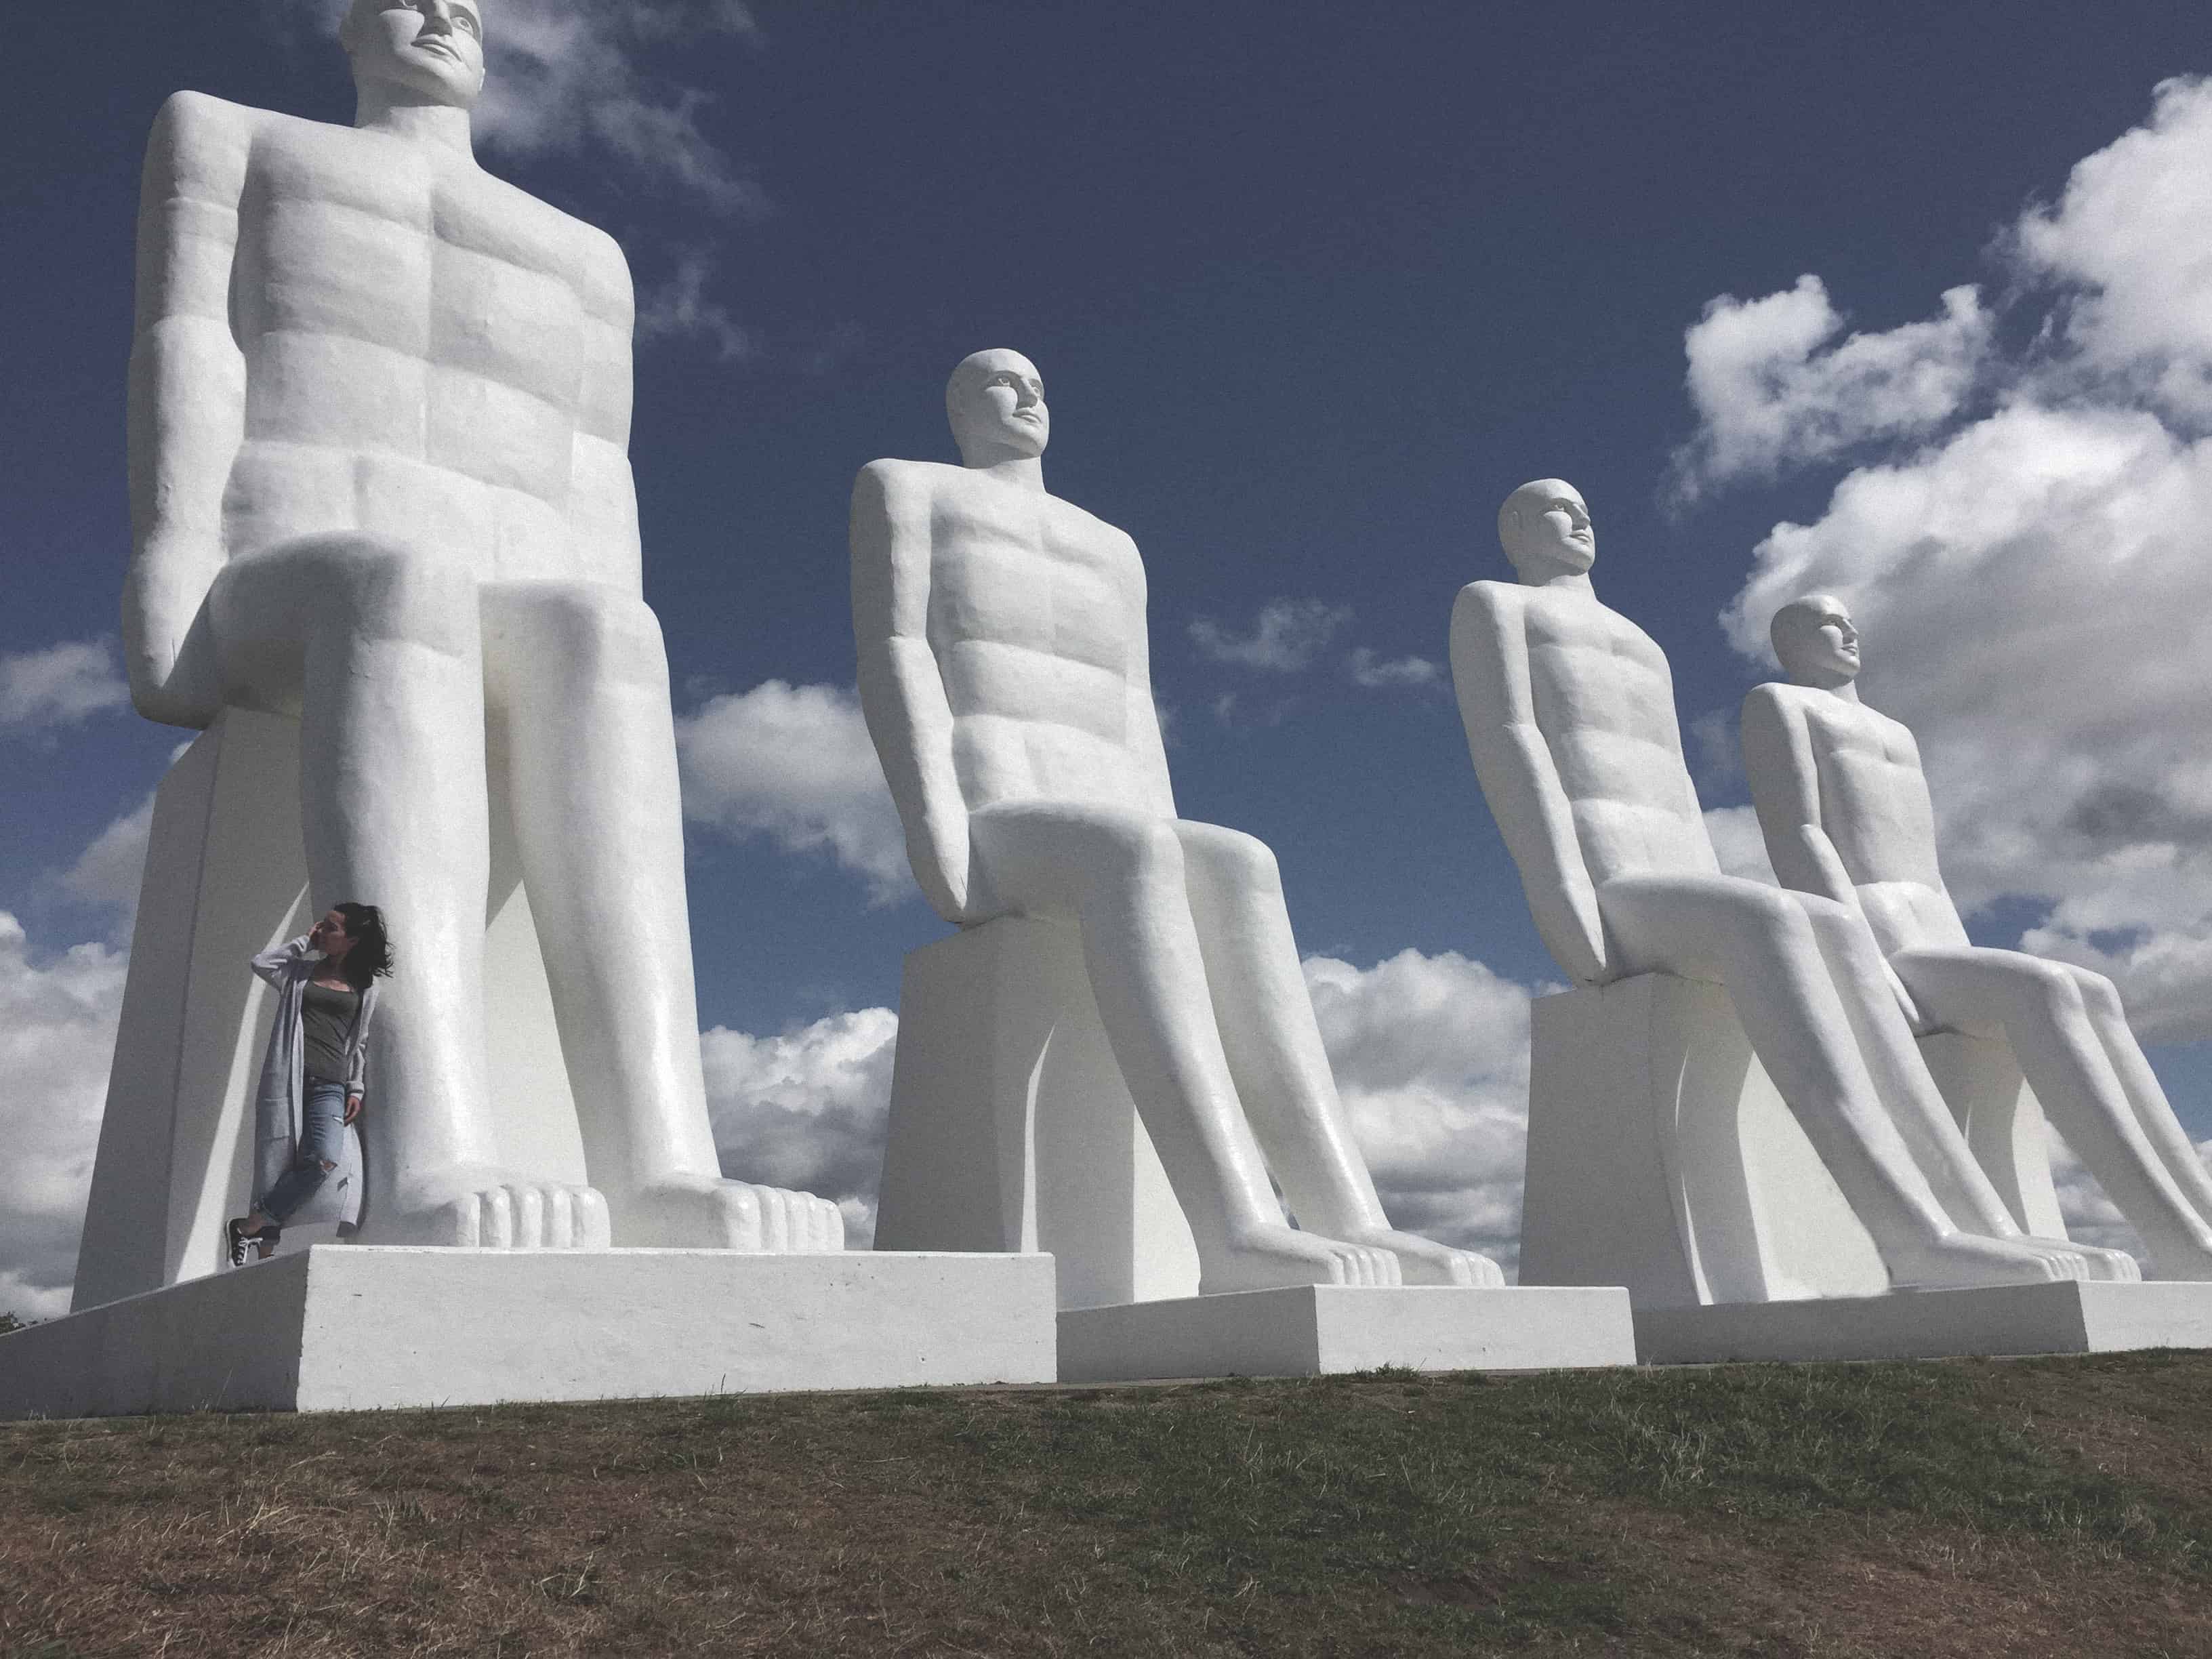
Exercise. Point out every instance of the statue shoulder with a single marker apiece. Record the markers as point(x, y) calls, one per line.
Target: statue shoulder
point(1489, 604)
point(891, 480)
point(203, 142)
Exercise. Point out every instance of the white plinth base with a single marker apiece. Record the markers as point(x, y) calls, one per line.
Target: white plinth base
point(1315, 1330)
point(2008, 1319)
point(347, 1327)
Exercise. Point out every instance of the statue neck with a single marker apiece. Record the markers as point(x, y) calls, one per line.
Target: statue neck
point(1842, 690)
point(383, 107)
point(1558, 582)
point(1023, 471)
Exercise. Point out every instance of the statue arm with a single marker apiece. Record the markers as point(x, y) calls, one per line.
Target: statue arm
point(187, 401)
point(1147, 744)
point(603, 494)
point(901, 693)
point(1519, 779)
point(1786, 792)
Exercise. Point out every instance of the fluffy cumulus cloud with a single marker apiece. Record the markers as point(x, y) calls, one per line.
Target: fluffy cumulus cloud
point(2125, 242)
point(2031, 578)
point(57, 1032)
point(1369, 668)
point(59, 685)
point(1431, 1057)
point(805, 1110)
point(1286, 637)
point(1772, 383)
point(794, 762)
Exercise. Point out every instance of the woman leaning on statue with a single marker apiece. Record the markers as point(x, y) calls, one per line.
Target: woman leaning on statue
point(315, 1072)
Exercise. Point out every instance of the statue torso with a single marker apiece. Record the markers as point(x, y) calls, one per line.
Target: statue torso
point(418, 338)
point(1604, 700)
point(1876, 809)
point(1036, 620)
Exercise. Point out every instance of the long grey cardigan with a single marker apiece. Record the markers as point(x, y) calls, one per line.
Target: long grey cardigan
point(278, 1100)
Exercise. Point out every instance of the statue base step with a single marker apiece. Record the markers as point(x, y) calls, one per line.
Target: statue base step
point(2004, 1319)
point(353, 1327)
point(1315, 1330)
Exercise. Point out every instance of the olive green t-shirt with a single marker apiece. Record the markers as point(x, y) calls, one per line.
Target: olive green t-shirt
point(325, 1022)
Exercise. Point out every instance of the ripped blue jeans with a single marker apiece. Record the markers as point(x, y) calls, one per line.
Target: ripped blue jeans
point(322, 1138)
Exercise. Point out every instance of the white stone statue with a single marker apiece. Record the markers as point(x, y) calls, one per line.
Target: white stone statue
point(1569, 715)
point(379, 413)
point(1004, 670)
point(1846, 813)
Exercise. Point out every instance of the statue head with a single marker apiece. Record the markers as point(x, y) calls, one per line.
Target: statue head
point(1545, 528)
point(1816, 643)
point(995, 401)
point(425, 51)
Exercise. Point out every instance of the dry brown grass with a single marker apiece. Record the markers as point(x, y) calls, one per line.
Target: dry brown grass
point(1969, 1509)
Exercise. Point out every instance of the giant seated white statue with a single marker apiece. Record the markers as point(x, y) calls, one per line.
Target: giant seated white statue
point(1732, 1107)
point(386, 553)
point(1846, 813)
point(1118, 1050)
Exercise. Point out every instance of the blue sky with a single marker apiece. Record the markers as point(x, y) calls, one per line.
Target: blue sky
point(1312, 286)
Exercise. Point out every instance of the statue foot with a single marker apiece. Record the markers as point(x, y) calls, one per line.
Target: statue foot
point(480, 1207)
point(1268, 1258)
point(1425, 1261)
point(1963, 1260)
point(710, 1213)
point(2105, 1267)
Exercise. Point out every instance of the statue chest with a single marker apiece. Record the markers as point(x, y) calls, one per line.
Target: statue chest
point(367, 245)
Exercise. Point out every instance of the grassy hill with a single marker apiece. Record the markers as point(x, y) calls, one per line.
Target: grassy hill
point(1969, 1509)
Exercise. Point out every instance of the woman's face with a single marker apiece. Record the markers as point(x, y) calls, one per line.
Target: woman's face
point(330, 937)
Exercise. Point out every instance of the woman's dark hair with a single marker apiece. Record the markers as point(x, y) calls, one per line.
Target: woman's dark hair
point(371, 955)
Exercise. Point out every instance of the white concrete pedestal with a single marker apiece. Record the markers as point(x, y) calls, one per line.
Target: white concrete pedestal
point(347, 1327)
point(1010, 1128)
point(1315, 1330)
point(1662, 1158)
point(2005, 1319)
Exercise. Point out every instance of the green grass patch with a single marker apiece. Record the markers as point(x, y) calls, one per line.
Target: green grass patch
point(2059, 1506)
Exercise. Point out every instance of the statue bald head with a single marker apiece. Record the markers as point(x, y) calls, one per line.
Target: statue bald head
point(1815, 641)
point(425, 51)
point(1545, 529)
point(995, 401)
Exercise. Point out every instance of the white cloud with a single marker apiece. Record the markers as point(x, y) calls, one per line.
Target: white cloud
point(1430, 1054)
point(794, 762)
point(679, 308)
point(2032, 581)
point(1286, 636)
point(59, 685)
point(109, 871)
point(1772, 386)
point(1368, 669)
point(567, 76)
point(806, 1109)
point(2126, 241)
point(57, 1034)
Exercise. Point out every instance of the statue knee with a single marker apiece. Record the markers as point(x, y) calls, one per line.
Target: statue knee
point(1243, 863)
point(598, 635)
point(383, 590)
point(1140, 853)
point(2050, 988)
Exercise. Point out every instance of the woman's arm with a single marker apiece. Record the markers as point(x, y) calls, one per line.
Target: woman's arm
point(357, 1055)
point(275, 966)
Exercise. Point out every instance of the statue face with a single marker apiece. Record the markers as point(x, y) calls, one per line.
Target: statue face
point(1546, 529)
point(431, 47)
point(996, 403)
point(1816, 641)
